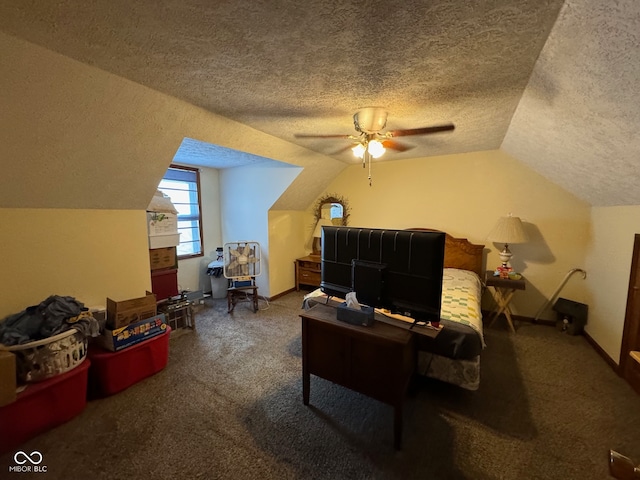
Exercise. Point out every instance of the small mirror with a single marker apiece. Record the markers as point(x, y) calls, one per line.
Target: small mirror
point(332, 208)
point(333, 212)
point(328, 210)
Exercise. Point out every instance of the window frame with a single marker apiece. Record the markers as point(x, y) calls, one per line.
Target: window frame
point(199, 195)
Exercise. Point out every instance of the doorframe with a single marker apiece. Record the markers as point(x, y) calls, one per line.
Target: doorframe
point(631, 329)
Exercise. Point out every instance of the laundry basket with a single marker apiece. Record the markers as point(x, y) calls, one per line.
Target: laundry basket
point(42, 359)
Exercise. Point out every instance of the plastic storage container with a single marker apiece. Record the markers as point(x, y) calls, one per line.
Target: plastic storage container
point(44, 405)
point(219, 282)
point(42, 359)
point(571, 316)
point(112, 372)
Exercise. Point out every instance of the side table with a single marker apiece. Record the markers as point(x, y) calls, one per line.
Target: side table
point(502, 293)
point(308, 271)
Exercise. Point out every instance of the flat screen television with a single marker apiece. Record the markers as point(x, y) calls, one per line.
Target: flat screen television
point(399, 270)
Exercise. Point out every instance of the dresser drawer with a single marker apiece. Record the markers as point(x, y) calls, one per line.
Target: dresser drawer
point(308, 265)
point(309, 277)
point(308, 271)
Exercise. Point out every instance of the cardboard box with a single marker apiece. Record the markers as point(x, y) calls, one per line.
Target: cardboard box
point(163, 241)
point(120, 338)
point(7, 378)
point(161, 223)
point(121, 314)
point(160, 258)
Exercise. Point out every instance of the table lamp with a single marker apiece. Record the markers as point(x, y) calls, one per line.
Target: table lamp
point(508, 230)
point(317, 235)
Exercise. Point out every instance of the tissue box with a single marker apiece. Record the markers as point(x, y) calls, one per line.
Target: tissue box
point(355, 317)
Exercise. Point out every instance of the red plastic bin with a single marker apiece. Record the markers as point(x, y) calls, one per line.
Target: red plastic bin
point(112, 372)
point(44, 405)
point(164, 283)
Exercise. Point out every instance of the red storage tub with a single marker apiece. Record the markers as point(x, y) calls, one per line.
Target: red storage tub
point(112, 372)
point(164, 283)
point(44, 405)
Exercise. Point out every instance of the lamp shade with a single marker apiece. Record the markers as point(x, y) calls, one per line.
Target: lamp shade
point(508, 230)
point(375, 148)
point(359, 150)
point(323, 222)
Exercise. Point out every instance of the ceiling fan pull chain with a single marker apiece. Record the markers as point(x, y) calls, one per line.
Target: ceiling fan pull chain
point(369, 169)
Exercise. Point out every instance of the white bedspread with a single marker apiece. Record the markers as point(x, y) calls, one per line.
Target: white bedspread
point(461, 296)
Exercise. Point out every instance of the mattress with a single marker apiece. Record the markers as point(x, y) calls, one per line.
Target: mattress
point(460, 315)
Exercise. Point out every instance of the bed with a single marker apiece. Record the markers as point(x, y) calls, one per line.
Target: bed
point(454, 355)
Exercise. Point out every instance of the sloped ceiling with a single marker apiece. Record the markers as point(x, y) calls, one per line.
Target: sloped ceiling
point(551, 82)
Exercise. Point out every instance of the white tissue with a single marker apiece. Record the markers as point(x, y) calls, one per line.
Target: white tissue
point(352, 301)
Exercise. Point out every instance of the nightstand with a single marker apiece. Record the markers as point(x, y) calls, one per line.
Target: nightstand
point(502, 292)
point(308, 271)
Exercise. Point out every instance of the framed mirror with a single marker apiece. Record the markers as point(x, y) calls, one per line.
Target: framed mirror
point(333, 208)
point(328, 210)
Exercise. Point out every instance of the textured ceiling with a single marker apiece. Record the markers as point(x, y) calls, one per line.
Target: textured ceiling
point(202, 154)
point(287, 67)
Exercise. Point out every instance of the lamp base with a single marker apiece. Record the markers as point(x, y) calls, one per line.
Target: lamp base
point(316, 246)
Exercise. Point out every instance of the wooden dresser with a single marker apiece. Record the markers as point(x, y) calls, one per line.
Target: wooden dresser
point(377, 361)
point(308, 271)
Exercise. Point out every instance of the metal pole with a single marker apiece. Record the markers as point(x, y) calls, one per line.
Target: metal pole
point(557, 290)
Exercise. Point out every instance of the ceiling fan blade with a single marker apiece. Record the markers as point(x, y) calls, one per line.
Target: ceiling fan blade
point(342, 150)
point(397, 146)
point(302, 135)
point(422, 131)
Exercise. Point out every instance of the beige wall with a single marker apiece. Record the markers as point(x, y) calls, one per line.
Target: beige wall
point(465, 195)
point(608, 268)
point(286, 243)
point(86, 254)
point(79, 137)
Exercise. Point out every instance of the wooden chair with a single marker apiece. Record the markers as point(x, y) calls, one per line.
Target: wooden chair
point(245, 293)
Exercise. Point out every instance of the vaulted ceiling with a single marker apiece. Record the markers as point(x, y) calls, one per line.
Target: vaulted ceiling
point(552, 82)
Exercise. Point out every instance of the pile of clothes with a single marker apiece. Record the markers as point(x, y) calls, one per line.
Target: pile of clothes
point(50, 317)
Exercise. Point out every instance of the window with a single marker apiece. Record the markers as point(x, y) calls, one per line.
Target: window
point(182, 185)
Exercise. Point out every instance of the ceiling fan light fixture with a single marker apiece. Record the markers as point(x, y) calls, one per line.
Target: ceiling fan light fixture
point(375, 148)
point(359, 150)
point(370, 119)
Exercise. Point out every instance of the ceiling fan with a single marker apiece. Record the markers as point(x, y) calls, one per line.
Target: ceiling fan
point(371, 142)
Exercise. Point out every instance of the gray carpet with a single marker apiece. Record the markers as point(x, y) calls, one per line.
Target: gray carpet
point(229, 406)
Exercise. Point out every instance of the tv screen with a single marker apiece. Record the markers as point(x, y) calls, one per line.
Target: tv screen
point(400, 270)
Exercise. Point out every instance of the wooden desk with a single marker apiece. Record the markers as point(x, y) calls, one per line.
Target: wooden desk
point(308, 270)
point(503, 290)
point(377, 361)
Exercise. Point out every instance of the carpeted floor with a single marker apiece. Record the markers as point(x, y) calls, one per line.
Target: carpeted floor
point(229, 406)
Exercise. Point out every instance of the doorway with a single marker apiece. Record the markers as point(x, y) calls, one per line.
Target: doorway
point(630, 353)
